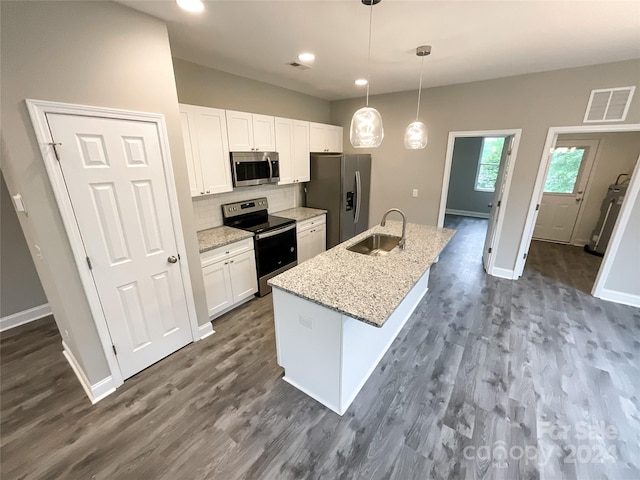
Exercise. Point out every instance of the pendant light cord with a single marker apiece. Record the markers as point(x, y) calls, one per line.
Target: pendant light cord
point(420, 87)
point(369, 60)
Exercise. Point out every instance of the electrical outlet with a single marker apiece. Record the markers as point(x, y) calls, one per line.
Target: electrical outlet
point(415, 192)
point(306, 322)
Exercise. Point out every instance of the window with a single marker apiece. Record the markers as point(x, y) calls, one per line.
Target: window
point(490, 155)
point(563, 170)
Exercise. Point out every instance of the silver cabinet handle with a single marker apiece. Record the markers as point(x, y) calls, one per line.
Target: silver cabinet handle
point(172, 259)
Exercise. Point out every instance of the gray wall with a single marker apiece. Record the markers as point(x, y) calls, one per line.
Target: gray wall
point(532, 102)
point(199, 85)
point(20, 287)
point(617, 153)
point(464, 166)
point(93, 53)
point(624, 276)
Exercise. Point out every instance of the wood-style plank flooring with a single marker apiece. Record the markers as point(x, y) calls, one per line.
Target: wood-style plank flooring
point(490, 379)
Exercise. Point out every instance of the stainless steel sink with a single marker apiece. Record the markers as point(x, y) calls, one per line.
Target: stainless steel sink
point(376, 245)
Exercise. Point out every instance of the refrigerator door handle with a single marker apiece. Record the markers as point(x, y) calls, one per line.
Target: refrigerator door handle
point(358, 200)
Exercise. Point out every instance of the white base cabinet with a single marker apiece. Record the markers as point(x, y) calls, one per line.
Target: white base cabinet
point(229, 276)
point(312, 237)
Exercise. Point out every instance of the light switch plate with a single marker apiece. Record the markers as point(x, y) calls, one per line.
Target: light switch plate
point(19, 203)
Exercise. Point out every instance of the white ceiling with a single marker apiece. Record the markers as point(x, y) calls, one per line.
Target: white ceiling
point(472, 40)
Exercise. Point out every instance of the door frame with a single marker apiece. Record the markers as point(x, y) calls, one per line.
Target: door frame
point(536, 197)
point(517, 133)
point(38, 109)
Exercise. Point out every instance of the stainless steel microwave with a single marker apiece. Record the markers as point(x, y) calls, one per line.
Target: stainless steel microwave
point(254, 168)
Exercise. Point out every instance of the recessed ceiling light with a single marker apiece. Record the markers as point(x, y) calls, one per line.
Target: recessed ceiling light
point(306, 57)
point(361, 82)
point(194, 6)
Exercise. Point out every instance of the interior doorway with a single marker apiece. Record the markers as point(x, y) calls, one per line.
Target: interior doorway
point(477, 178)
point(592, 204)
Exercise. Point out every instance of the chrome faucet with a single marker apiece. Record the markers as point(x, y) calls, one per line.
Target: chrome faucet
point(402, 241)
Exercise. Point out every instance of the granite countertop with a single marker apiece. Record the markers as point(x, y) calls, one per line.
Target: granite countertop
point(300, 214)
point(363, 287)
point(220, 236)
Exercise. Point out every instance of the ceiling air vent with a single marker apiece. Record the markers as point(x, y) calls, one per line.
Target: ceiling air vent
point(299, 66)
point(609, 104)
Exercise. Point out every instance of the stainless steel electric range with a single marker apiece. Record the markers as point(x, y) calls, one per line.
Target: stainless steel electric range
point(274, 238)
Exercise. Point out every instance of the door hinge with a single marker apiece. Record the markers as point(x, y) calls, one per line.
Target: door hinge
point(55, 150)
point(490, 249)
point(524, 257)
point(499, 202)
point(179, 257)
point(89, 263)
point(509, 152)
point(115, 352)
point(537, 207)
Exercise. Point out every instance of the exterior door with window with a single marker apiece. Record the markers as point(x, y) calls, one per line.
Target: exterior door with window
point(494, 166)
point(114, 174)
point(564, 188)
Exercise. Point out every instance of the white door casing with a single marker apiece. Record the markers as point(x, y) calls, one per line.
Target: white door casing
point(559, 212)
point(38, 110)
point(496, 204)
point(115, 178)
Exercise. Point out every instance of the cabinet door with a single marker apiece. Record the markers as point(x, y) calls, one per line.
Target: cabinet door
point(317, 137)
point(264, 134)
point(318, 243)
point(240, 131)
point(193, 163)
point(213, 150)
point(284, 147)
point(304, 246)
point(244, 282)
point(217, 287)
point(334, 139)
point(301, 171)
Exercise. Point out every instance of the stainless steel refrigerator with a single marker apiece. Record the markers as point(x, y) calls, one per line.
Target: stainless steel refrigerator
point(341, 185)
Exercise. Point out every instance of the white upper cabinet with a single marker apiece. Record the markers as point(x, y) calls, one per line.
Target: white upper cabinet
point(204, 132)
point(292, 145)
point(249, 132)
point(325, 138)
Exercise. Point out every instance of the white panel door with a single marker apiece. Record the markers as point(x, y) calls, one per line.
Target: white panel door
point(566, 181)
point(114, 173)
point(301, 159)
point(240, 131)
point(217, 287)
point(213, 150)
point(244, 282)
point(264, 133)
point(496, 204)
point(284, 147)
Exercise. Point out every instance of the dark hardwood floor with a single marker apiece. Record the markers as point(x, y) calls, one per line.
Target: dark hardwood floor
point(491, 379)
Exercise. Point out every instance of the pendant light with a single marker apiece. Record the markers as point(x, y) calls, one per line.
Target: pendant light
point(366, 125)
point(415, 136)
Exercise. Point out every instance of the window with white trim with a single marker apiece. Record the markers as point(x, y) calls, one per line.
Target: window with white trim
point(489, 164)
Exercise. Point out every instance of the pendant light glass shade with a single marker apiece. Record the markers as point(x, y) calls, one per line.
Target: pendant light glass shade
point(415, 136)
point(366, 128)
point(366, 125)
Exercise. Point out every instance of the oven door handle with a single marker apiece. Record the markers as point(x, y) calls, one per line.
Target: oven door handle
point(272, 233)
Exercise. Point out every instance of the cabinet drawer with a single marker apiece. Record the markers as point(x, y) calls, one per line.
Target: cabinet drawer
point(226, 251)
point(311, 222)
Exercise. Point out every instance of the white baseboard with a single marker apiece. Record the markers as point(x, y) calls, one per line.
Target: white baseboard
point(620, 297)
point(95, 392)
point(466, 213)
point(503, 273)
point(206, 330)
point(26, 316)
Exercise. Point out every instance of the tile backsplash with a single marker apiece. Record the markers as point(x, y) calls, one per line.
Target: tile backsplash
point(208, 212)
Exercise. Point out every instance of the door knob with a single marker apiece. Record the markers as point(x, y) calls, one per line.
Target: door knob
point(490, 205)
point(172, 259)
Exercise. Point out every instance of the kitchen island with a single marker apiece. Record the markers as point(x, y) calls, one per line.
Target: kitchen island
point(337, 314)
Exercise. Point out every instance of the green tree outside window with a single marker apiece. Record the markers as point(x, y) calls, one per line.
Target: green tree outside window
point(563, 170)
point(489, 164)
